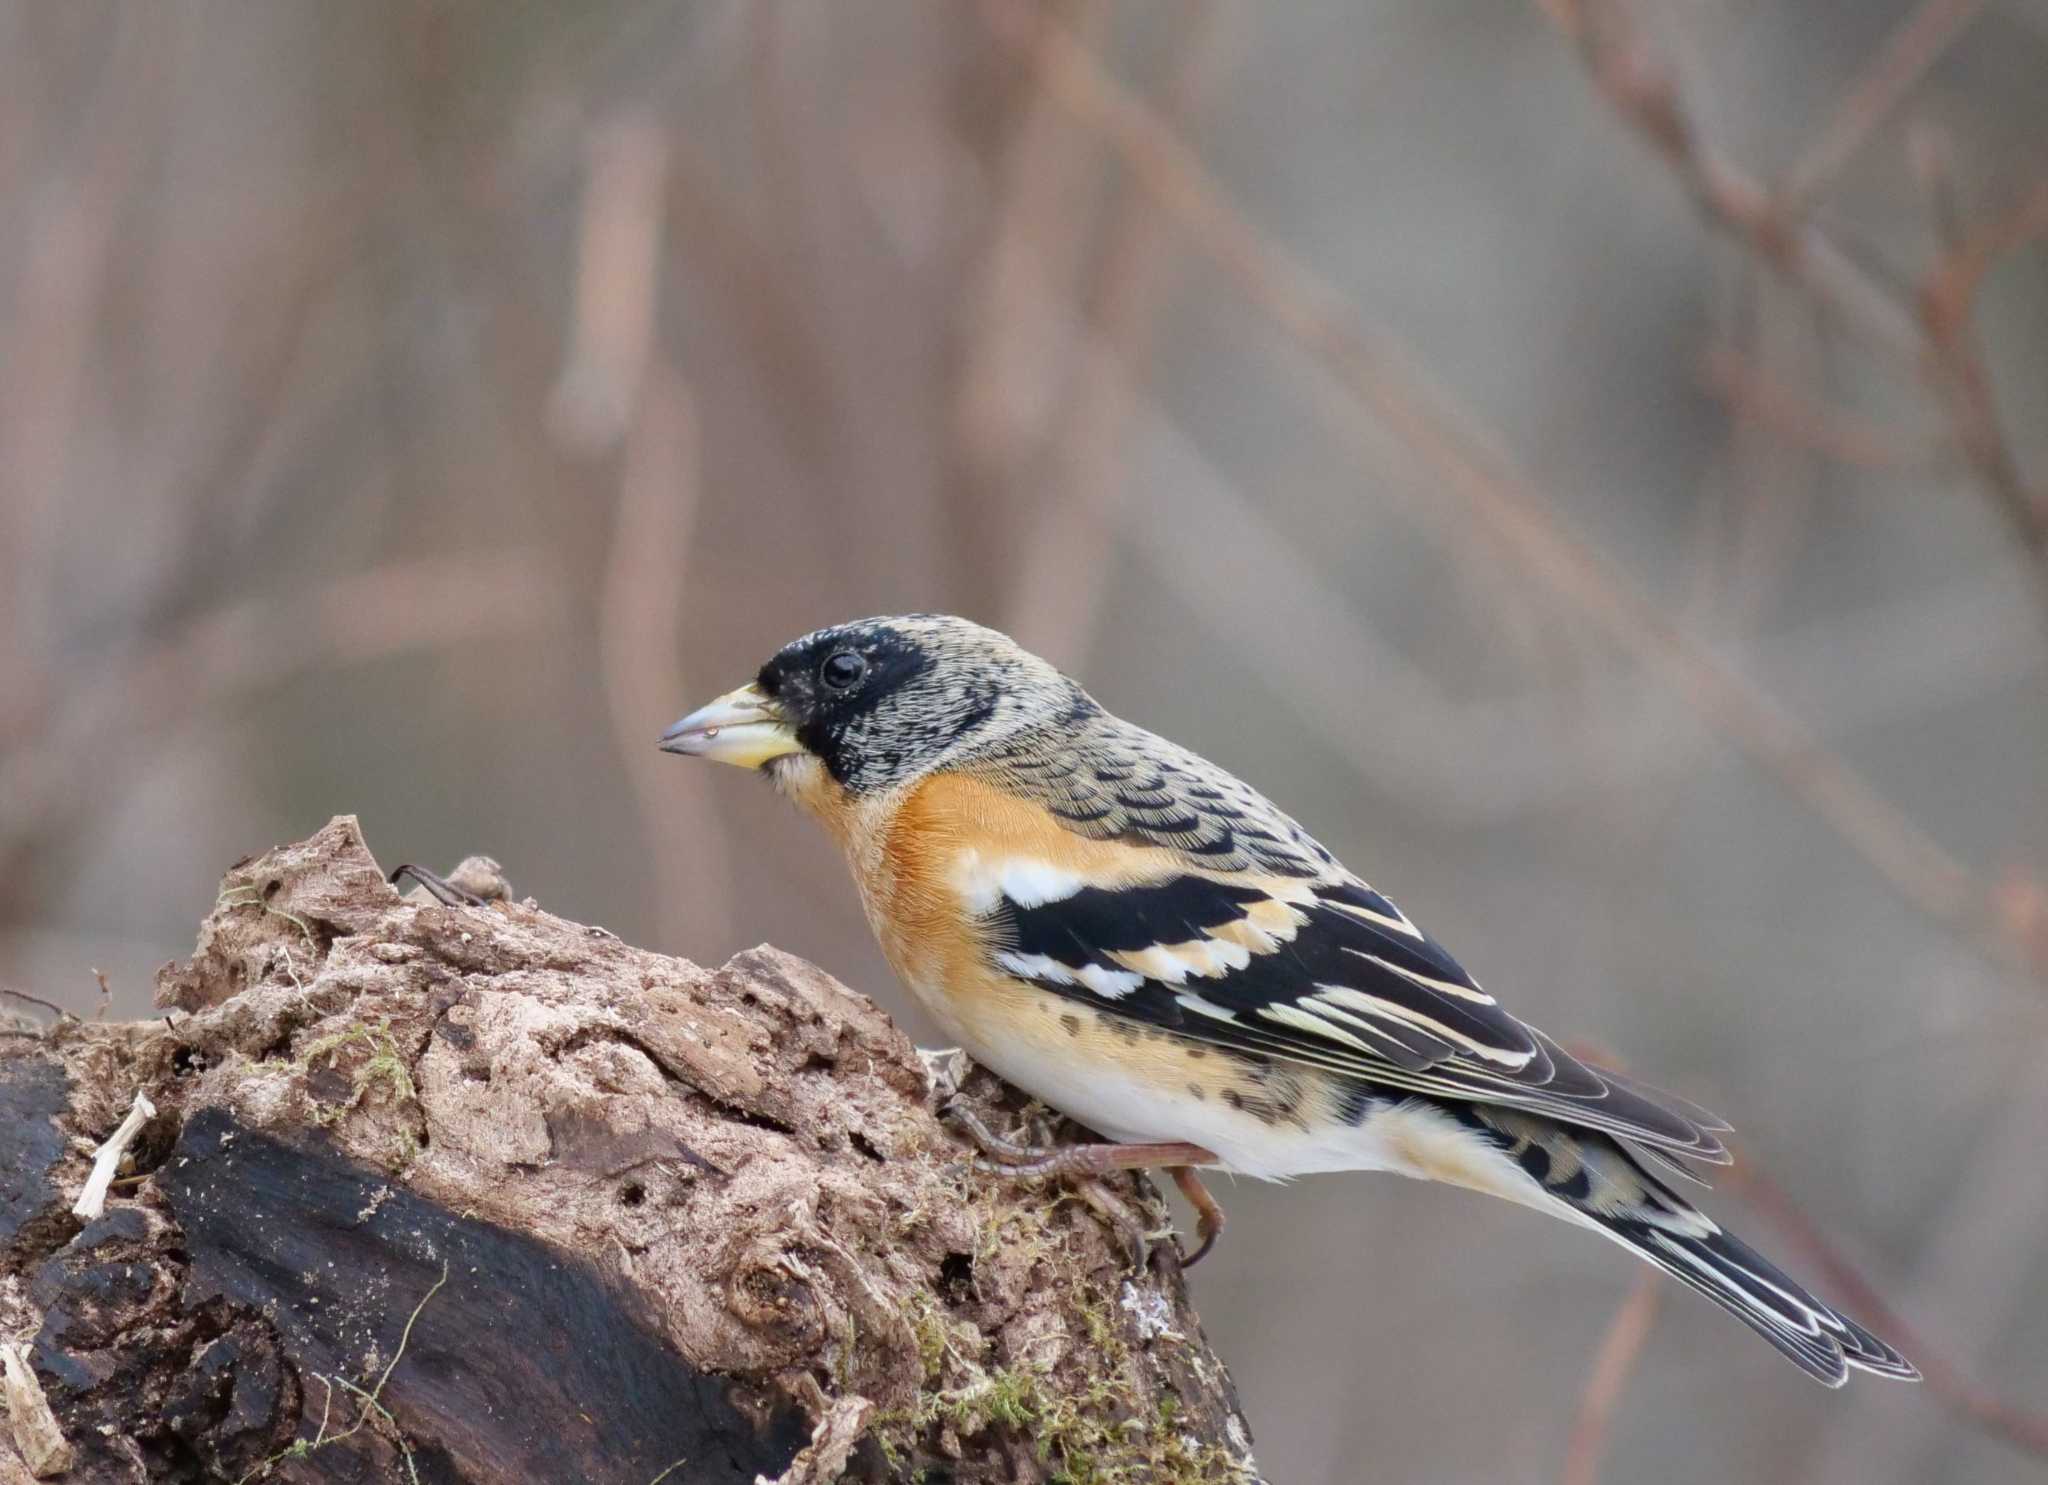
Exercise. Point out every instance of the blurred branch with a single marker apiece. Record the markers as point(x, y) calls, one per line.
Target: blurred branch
point(1948, 300)
point(1642, 89)
point(71, 232)
point(1623, 1343)
point(1012, 359)
point(1073, 540)
point(1936, 339)
point(115, 708)
point(639, 631)
point(742, 275)
point(1905, 58)
point(2024, 1429)
point(1752, 392)
point(608, 388)
point(1492, 497)
point(612, 326)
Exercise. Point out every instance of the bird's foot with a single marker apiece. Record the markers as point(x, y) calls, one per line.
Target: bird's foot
point(1208, 1212)
point(1087, 1165)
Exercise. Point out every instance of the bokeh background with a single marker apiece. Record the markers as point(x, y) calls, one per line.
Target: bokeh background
point(1588, 461)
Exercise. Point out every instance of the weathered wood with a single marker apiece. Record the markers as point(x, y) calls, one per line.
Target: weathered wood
point(481, 1195)
point(34, 1095)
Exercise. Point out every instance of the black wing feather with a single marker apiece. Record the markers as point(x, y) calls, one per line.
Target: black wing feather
point(1355, 989)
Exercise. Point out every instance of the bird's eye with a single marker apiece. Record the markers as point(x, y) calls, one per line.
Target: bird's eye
point(842, 669)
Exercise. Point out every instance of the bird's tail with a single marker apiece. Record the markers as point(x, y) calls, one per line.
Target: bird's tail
point(1603, 1184)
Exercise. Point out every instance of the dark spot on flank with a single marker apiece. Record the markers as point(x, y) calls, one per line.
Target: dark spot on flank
point(1127, 1031)
point(1536, 1161)
point(1072, 1025)
point(1576, 1187)
point(1200, 1093)
point(1196, 1054)
point(1234, 1098)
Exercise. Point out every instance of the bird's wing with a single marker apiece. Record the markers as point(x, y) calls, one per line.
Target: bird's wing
point(1307, 964)
point(1110, 780)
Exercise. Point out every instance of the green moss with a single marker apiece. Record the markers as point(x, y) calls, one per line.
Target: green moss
point(1081, 1424)
point(1087, 1436)
point(383, 1065)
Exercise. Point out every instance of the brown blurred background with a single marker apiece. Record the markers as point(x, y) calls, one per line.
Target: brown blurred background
point(1588, 462)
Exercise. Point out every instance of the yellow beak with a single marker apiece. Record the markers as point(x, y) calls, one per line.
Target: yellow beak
point(743, 728)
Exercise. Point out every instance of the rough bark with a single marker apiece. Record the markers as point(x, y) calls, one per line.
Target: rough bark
point(447, 1194)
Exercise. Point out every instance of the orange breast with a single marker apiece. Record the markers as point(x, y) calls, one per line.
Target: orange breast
point(944, 830)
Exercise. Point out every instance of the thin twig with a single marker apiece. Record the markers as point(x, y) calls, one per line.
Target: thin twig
point(92, 1198)
point(1626, 1334)
point(1490, 495)
point(1947, 301)
point(1933, 335)
point(1904, 59)
point(1073, 545)
point(1644, 92)
point(49, 1005)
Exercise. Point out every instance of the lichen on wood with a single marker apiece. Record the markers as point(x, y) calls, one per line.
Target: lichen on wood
point(678, 1223)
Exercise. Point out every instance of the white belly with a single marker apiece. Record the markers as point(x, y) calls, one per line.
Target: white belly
point(1128, 1102)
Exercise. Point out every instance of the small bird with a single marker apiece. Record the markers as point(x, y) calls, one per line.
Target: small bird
point(1146, 944)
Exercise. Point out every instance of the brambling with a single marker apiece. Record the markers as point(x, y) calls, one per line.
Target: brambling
point(1149, 946)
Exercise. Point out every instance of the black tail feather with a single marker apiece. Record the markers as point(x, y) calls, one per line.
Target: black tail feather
point(1612, 1186)
point(1819, 1340)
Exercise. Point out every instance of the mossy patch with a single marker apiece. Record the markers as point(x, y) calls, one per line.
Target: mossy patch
point(383, 1064)
point(372, 1060)
point(1081, 1412)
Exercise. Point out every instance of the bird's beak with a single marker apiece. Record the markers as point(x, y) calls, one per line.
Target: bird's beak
point(744, 728)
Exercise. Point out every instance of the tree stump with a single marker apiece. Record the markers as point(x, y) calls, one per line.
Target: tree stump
point(451, 1194)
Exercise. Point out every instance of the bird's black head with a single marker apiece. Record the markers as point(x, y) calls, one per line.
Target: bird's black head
point(880, 702)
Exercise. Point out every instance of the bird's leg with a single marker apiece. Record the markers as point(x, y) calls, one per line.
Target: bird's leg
point(1086, 1165)
point(1208, 1211)
point(1099, 1160)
